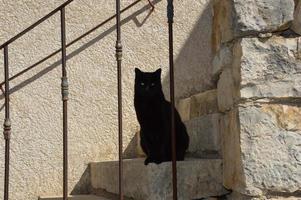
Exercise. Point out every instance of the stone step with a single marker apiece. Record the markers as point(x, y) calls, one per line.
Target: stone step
point(197, 105)
point(75, 197)
point(197, 178)
point(204, 134)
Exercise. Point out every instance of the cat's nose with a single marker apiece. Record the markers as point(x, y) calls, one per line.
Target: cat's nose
point(147, 88)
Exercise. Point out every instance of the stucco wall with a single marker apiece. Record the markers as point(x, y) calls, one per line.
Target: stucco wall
point(36, 142)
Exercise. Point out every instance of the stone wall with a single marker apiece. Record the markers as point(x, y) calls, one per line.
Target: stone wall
point(257, 69)
point(36, 107)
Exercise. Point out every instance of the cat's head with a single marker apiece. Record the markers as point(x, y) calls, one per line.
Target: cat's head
point(148, 84)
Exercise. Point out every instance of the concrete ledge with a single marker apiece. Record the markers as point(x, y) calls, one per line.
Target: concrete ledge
point(197, 178)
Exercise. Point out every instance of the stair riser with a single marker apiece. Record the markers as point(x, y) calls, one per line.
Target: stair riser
point(196, 179)
point(204, 135)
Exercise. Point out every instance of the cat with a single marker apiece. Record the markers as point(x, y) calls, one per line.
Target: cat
point(154, 116)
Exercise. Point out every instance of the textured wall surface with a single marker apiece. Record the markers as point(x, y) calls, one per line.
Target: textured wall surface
point(36, 108)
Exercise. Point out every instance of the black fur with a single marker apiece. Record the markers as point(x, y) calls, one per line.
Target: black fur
point(153, 114)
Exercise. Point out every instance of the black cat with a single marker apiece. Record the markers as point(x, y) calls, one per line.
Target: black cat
point(153, 114)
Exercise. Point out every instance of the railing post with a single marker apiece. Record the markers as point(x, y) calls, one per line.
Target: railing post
point(170, 15)
point(64, 87)
point(119, 87)
point(7, 124)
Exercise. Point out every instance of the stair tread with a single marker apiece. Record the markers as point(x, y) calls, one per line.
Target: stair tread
point(74, 197)
point(197, 178)
point(141, 160)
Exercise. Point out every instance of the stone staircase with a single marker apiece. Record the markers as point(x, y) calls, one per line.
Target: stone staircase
point(199, 175)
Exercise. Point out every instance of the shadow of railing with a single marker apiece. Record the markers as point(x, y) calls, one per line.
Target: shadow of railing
point(132, 17)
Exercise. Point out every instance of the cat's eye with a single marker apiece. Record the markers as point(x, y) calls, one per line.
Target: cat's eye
point(142, 84)
point(153, 84)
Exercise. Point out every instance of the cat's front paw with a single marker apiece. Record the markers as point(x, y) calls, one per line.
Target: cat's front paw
point(149, 160)
point(146, 161)
point(157, 161)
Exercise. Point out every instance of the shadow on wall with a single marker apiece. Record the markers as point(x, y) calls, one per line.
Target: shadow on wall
point(192, 66)
point(132, 17)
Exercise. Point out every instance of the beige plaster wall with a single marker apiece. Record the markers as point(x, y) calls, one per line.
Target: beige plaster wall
point(36, 142)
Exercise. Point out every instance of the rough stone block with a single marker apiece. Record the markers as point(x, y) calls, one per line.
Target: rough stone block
point(196, 179)
point(239, 18)
point(229, 83)
point(204, 135)
point(233, 177)
point(226, 91)
point(238, 196)
point(222, 59)
point(296, 26)
point(268, 68)
point(262, 149)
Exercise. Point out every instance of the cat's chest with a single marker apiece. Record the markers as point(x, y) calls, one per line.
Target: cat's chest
point(150, 107)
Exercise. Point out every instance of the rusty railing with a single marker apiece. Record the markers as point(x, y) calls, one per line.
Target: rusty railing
point(119, 88)
point(7, 123)
point(64, 90)
point(170, 16)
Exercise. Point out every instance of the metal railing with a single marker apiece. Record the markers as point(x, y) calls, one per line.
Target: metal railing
point(119, 88)
point(170, 16)
point(64, 86)
point(64, 90)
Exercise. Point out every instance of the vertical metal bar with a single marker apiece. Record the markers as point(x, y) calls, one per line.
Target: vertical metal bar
point(119, 59)
point(7, 124)
point(64, 87)
point(170, 15)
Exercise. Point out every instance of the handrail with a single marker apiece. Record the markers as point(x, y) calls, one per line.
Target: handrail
point(64, 88)
point(35, 24)
point(71, 43)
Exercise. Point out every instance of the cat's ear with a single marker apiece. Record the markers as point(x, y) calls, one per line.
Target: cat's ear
point(137, 71)
point(158, 72)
